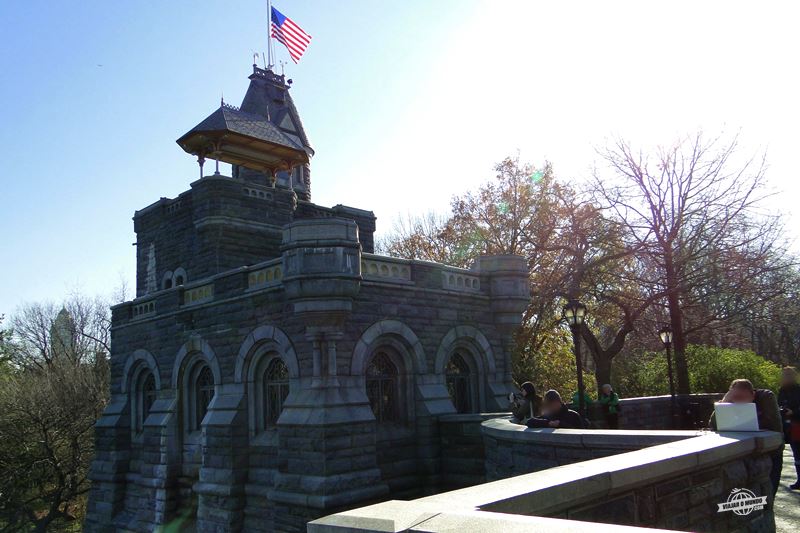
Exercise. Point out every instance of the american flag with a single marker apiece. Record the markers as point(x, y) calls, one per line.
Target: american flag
point(292, 36)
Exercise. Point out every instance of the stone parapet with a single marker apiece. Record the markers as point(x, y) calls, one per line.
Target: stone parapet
point(676, 485)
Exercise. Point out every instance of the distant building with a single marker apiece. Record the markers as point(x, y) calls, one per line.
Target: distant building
point(272, 369)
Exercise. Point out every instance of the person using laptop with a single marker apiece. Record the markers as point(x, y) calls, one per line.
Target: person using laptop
point(768, 414)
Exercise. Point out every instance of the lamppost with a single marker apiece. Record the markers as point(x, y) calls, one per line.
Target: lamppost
point(665, 334)
point(574, 313)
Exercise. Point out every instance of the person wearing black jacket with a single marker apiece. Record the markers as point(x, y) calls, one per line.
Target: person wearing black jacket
point(789, 401)
point(555, 414)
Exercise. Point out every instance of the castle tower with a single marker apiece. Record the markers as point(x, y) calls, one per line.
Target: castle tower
point(268, 96)
point(272, 369)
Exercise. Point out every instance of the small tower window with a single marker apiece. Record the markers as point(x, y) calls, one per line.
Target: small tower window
point(460, 383)
point(204, 392)
point(276, 389)
point(144, 398)
point(382, 387)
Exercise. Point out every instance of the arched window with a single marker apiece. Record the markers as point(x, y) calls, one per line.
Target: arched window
point(382, 388)
point(276, 389)
point(168, 283)
point(460, 383)
point(203, 393)
point(144, 397)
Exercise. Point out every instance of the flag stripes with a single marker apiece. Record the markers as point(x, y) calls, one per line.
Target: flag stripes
point(289, 34)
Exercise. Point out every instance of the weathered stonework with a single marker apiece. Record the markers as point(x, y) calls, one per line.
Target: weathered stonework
point(249, 272)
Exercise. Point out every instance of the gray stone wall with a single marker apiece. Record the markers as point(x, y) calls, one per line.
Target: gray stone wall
point(677, 485)
point(655, 412)
point(325, 320)
point(463, 450)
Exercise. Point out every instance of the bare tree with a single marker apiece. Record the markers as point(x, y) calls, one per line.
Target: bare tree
point(53, 391)
point(689, 210)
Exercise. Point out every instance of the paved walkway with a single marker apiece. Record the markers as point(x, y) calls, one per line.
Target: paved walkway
point(787, 502)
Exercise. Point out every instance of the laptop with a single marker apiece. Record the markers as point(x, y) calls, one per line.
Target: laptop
point(736, 416)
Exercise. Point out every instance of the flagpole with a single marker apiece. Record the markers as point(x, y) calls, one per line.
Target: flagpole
point(269, 34)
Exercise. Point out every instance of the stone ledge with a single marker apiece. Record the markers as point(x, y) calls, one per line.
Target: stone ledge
point(588, 480)
point(396, 516)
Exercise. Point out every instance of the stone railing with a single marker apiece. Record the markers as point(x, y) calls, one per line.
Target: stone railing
point(270, 274)
point(199, 294)
point(393, 272)
point(234, 283)
point(512, 449)
point(144, 309)
point(675, 485)
point(459, 279)
point(385, 268)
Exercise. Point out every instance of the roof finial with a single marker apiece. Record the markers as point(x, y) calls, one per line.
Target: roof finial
point(221, 99)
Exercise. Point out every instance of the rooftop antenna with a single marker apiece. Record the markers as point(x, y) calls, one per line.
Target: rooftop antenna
point(283, 64)
point(255, 58)
point(267, 66)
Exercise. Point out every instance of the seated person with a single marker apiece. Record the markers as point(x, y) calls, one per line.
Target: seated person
point(769, 418)
point(742, 391)
point(555, 414)
point(526, 404)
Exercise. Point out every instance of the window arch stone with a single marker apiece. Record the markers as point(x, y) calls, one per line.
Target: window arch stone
point(258, 351)
point(140, 384)
point(196, 375)
point(474, 350)
point(179, 277)
point(395, 329)
point(466, 336)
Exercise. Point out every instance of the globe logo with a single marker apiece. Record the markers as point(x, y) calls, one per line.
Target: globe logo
point(742, 502)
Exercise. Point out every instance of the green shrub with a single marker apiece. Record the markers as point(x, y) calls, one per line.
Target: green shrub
point(712, 369)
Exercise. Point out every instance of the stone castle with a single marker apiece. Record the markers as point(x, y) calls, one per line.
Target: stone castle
point(272, 369)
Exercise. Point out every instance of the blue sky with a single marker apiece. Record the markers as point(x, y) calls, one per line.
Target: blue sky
point(406, 104)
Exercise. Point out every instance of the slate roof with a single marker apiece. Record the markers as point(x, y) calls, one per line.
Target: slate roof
point(228, 118)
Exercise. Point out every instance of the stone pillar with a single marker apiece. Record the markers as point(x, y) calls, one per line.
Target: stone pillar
point(220, 489)
point(509, 288)
point(326, 452)
point(110, 465)
point(160, 458)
